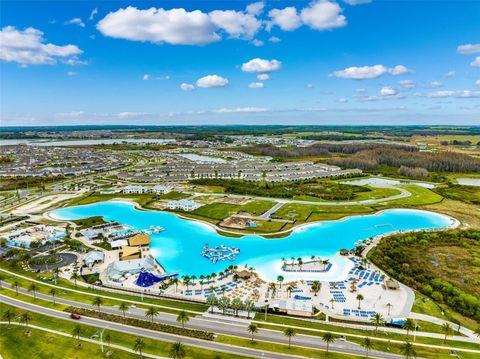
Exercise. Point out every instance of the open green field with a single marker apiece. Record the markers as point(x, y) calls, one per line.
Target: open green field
point(220, 211)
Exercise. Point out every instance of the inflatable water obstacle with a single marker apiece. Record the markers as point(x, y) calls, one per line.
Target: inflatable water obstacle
point(220, 253)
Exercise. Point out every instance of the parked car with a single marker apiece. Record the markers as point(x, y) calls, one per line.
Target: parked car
point(75, 316)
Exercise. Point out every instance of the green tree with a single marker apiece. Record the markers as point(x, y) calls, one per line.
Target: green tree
point(53, 293)
point(447, 330)
point(212, 302)
point(123, 307)
point(289, 333)
point(328, 338)
point(377, 320)
point(280, 280)
point(183, 318)
point(249, 306)
point(252, 329)
point(77, 330)
point(138, 346)
point(409, 325)
point(316, 286)
point(8, 315)
point(75, 276)
point(175, 281)
point(151, 312)
point(33, 288)
point(408, 350)
point(177, 351)
point(367, 343)
point(237, 305)
point(26, 318)
point(15, 285)
point(97, 302)
point(360, 298)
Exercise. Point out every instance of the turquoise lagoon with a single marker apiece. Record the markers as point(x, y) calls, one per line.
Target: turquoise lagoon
point(178, 248)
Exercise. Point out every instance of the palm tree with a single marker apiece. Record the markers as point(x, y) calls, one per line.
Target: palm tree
point(273, 287)
point(8, 315)
point(223, 290)
point(289, 290)
point(447, 330)
point(289, 333)
point(138, 346)
point(325, 263)
point(360, 298)
point(300, 262)
point(237, 305)
point(212, 301)
point(97, 302)
point(249, 306)
point(53, 292)
point(316, 286)
point(332, 301)
point(186, 281)
point(235, 278)
point(33, 288)
point(123, 307)
point(377, 320)
point(77, 330)
point(224, 303)
point(183, 318)
point(328, 338)
point(409, 325)
point(175, 281)
point(367, 343)
point(151, 312)
point(408, 350)
point(389, 306)
point(15, 285)
point(26, 318)
point(75, 276)
point(280, 280)
point(177, 351)
point(252, 329)
point(108, 338)
point(477, 332)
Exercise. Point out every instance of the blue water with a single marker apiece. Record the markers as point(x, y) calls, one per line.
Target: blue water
point(178, 248)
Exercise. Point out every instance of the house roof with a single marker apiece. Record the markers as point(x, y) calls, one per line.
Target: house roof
point(93, 256)
point(139, 239)
point(128, 251)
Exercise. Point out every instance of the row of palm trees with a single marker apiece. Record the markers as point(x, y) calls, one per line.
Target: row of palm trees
point(225, 303)
point(299, 261)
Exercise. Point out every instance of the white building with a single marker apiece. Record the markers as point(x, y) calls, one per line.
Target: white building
point(134, 189)
point(184, 205)
point(159, 189)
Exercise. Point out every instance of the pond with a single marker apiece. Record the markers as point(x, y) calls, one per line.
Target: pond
point(386, 181)
point(179, 247)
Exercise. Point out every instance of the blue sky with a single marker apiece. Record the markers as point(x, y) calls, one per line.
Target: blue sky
point(228, 62)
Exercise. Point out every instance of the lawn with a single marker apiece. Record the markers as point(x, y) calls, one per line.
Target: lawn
point(220, 211)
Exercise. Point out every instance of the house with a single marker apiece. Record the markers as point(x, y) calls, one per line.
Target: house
point(299, 308)
point(159, 189)
point(184, 205)
point(134, 189)
point(93, 257)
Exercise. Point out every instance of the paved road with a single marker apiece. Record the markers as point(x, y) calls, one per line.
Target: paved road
point(314, 342)
point(220, 327)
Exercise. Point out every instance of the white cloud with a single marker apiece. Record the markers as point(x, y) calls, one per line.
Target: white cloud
point(450, 93)
point(75, 21)
point(146, 77)
point(436, 84)
point(27, 47)
point(388, 91)
point(309, 86)
point(408, 84)
point(128, 115)
point(93, 14)
point(261, 65)
point(468, 49)
point(357, 2)
point(477, 82)
point(175, 26)
point(323, 15)
point(241, 110)
point(450, 74)
point(399, 70)
point(287, 19)
point(71, 73)
point(342, 100)
point(476, 62)
point(369, 72)
point(360, 90)
point(187, 87)
point(256, 85)
point(274, 39)
point(258, 43)
point(74, 61)
point(212, 81)
point(237, 24)
point(255, 8)
point(263, 77)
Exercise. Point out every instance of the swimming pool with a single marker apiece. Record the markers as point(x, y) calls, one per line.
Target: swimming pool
point(178, 248)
